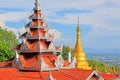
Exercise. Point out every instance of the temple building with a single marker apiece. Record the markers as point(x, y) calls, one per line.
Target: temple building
point(35, 57)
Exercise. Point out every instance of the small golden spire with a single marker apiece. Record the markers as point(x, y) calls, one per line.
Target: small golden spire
point(113, 69)
point(104, 69)
point(95, 68)
point(69, 48)
point(81, 61)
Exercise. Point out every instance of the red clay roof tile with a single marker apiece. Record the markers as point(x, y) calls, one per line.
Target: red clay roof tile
point(108, 76)
point(62, 74)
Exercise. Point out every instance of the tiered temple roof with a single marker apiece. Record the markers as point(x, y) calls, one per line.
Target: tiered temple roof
point(36, 44)
point(35, 60)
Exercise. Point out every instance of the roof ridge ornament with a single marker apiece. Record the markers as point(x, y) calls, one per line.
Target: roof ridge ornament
point(43, 64)
point(16, 55)
point(69, 53)
point(73, 62)
point(16, 61)
point(50, 77)
point(59, 62)
point(60, 48)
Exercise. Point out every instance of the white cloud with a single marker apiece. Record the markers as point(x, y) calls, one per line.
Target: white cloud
point(14, 30)
point(56, 34)
point(2, 25)
point(16, 3)
point(104, 17)
point(13, 16)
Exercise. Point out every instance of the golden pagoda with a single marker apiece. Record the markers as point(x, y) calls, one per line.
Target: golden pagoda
point(81, 60)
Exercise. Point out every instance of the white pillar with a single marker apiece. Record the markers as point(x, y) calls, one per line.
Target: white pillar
point(16, 56)
point(69, 57)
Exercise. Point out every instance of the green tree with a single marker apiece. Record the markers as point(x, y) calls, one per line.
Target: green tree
point(7, 41)
point(65, 52)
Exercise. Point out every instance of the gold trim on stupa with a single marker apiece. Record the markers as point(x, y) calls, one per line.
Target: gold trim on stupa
point(81, 60)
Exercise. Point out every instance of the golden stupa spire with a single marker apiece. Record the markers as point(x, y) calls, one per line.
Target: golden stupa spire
point(81, 60)
point(113, 70)
point(104, 69)
point(95, 68)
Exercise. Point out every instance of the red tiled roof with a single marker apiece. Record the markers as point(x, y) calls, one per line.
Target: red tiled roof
point(62, 74)
point(50, 60)
point(34, 46)
point(30, 62)
point(6, 63)
point(77, 73)
point(108, 76)
point(7, 73)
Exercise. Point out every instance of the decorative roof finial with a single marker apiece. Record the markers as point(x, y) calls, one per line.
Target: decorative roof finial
point(69, 53)
point(16, 55)
point(50, 77)
point(37, 5)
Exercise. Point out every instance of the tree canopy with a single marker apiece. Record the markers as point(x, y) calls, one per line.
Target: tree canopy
point(7, 41)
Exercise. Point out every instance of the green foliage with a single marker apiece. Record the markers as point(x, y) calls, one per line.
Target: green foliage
point(101, 66)
point(65, 52)
point(95, 64)
point(7, 41)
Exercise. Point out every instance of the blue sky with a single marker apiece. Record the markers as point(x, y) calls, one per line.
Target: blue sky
point(99, 21)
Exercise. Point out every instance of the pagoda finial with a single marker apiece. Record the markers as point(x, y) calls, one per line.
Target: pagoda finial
point(37, 5)
point(81, 60)
point(78, 27)
point(50, 77)
point(78, 21)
